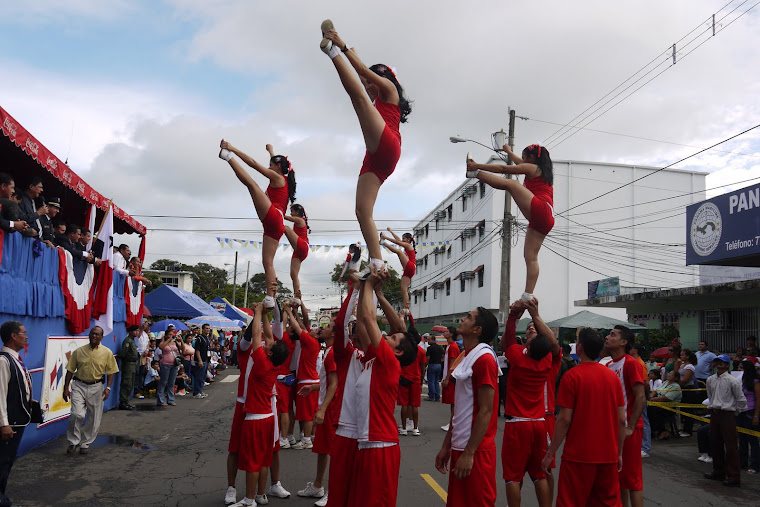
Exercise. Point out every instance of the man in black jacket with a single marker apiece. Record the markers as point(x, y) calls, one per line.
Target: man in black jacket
point(69, 242)
point(29, 212)
point(9, 211)
point(15, 399)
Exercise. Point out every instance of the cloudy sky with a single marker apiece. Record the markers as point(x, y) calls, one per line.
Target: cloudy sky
point(137, 95)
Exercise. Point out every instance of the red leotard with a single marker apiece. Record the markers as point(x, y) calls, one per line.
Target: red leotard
point(383, 161)
point(301, 250)
point(542, 205)
point(411, 265)
point(273, 225)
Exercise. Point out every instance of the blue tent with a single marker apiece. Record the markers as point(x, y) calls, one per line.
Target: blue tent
point(229, 310)
point(173, 302)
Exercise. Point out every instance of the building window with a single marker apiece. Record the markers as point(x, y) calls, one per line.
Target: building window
point(437, 222)
point(464, 243)
point(424, 294)
point(450, 211)
point(480, 277)
point(435, 293)
point(415, 298)
point(464, 203)
point(436, 259)
point(448, 252)
point(426, 262)
point(427, 230)
point(171, 281)
point(669, 320)
point(481, 232)
point(482, 189)
point(448, 287)
point(461, 285)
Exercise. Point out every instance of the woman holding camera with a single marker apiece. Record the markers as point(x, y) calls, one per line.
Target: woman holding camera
point(170, 362)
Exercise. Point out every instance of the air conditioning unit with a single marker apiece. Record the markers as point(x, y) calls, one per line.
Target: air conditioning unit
point(441, 214)
point(468, 233)
point(470, 190)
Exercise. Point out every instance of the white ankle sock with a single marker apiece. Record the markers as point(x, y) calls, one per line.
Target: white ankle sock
point(225, 155)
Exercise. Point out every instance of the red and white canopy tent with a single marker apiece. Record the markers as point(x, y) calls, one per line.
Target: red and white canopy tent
point(23, 156)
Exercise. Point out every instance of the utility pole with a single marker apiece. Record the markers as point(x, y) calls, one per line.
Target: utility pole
point(247, 279)
point(234, 280)
point(506, 233)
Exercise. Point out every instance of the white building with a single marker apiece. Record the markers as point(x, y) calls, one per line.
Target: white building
point(180, 279)
point(635, 233)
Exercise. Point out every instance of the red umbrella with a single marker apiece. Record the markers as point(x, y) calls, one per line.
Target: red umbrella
point(661, 352)
point(146, 312)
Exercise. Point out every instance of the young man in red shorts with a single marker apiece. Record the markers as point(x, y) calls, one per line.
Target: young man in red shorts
point(243, 356)
point(525, 435)
point(592, 421)
point(469, 448)
point(377, 460)
point(410, 392)
point(324, 416)
point(257, 432)
point(306, 374)
point(618, 343)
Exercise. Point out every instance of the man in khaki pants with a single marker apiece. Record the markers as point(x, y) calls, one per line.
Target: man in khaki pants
point(87, 366)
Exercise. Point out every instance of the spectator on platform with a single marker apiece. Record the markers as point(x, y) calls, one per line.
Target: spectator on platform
point(59, 232)
point(87, 366)
point(69, 241)
point(121, 258)
point(46, 221)
point(10, 220)
point(29, 211)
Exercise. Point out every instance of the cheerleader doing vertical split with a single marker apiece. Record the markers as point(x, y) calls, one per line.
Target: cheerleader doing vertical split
point(535, 199)
point(380, 106)
point(408, 258)
point(270, 205)
point(299, 240)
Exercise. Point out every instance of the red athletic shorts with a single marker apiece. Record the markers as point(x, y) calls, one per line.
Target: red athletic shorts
point(273, 226)
point(306, 406)
point(342, 460)
point(256, 444)
point(447, 393)
point(479, 488)
point(550, 422)
point(588, 484)
point(523, 448)
point(382, 465)
point(383, 162)
point(410, 395)
point(631, 475)
point(301, 251)
point(541, 216)
point(283, 398)
point(324, 436)
point(409, 270)
point(237, 426)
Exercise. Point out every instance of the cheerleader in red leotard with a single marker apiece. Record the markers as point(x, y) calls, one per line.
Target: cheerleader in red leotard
point(408, 258)
point(535, 199)
point(270, 205)
point(299, 240)
point(381, 106)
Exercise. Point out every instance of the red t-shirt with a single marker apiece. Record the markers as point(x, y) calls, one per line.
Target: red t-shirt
point(452, 352)
point(328, 366)
point(594, 394)
point(629, 372)
point(526, 383)
point(485, 372)
point(376, 393)
point(551, 384)
point(258, 399)
point(413, 371)
point(307, 365)
point(284, 368)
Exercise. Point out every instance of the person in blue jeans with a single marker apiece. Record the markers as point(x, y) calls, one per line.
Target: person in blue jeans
point(200, 368)
point(434, 354)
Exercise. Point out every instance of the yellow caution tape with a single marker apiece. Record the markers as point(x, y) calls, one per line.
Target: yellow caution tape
point(669, 407)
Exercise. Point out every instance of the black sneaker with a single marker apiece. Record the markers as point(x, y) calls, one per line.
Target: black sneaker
point(71, 449)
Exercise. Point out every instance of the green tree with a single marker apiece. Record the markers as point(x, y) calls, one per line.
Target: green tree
point(155, 282)
point(209, 280)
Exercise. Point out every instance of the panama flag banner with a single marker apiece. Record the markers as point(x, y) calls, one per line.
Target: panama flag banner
point(103, 305)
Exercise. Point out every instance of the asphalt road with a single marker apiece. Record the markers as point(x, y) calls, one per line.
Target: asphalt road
point(177, 456)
